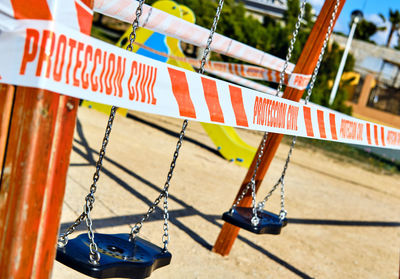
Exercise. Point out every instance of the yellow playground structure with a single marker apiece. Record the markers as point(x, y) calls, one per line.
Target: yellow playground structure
point(226, 139)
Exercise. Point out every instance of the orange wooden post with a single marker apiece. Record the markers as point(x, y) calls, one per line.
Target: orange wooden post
point(305, 65)
point(24, 179)
point(6, 101)
point(55, 187)
point(35, 152)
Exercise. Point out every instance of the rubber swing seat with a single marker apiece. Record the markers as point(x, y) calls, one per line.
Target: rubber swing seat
point(119, 257)
point(270, 223)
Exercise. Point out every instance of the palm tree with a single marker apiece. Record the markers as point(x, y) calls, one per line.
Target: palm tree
point(394, 19)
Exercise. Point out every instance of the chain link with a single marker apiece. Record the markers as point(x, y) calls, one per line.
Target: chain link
point(281, 180)
point(89, 199)
point(252, 184)
point(135, 25)
point(210, 36)
point(164, 193)
point(94, 255)
point(322, 52)
point(291, 47)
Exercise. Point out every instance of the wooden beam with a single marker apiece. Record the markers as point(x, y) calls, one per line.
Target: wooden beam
point(55, 187)
point(35, 170)
point(305, 65)
point(6, 101)
point(24, 179)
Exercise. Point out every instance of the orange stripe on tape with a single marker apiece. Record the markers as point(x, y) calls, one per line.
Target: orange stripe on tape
point(84, 18)
point(242, 71)
point(383, 135)
point(369, 133)
point(332, 122)
point(238, 107)
point(307, 121)
point(31, 9)
point(236, 69)
point(211, 95)
point(321, 124)
point(180, 89)
point(376, 134)
point(277, 76)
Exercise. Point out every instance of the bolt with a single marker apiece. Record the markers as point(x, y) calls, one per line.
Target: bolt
point(70, 106)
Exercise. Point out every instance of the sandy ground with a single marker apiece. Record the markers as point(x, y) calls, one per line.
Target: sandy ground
point(344, 220)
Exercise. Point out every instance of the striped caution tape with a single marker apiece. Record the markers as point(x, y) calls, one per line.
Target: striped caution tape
point(51, 56)
point(297, 81)
point(164, 23)
point(242, 81)
point(74, 14)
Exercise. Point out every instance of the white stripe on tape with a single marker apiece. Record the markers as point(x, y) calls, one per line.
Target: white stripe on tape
point(242, 81)
point(297, 81)
point(51, 56)
point(173, 26)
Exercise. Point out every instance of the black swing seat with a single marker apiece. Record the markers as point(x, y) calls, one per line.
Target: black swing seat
point(119, 257)
point(270, 223)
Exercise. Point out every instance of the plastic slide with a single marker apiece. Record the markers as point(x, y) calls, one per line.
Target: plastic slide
point(147, 37)
point(226, 139)
point(230, 144)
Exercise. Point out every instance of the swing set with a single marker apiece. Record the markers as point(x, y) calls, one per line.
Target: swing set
point(42, 161)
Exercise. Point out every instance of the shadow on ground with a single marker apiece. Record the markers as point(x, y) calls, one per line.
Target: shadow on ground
point(91, 155)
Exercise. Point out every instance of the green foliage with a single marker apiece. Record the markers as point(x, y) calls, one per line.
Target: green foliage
point(365, 30)
point(328, 70)
point(273, 36)
point(348, 153)
point(233, 22)
point(394, 19)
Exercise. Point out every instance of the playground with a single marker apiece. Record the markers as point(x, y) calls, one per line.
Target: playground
point(342, 222)
point(88, 127)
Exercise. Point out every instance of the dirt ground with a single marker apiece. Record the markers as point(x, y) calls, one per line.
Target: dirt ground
point(344, 219)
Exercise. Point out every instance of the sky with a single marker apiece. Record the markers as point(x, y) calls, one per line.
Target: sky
point(371, 9)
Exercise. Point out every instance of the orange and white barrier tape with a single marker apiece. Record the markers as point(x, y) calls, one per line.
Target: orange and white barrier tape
point(73, 13)
point(172, 26)
point(51, 56)
point(297, 81)
point(216, 70)
point(244, 82)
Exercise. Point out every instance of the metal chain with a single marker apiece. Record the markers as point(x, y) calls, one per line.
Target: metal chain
point(281, 180)
point(164, 193)
point(94, 255)
point(90, 199)
point(321, 54)
point(291, 47)
point(135, 25)
point(210, 36)
point(252, 184)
